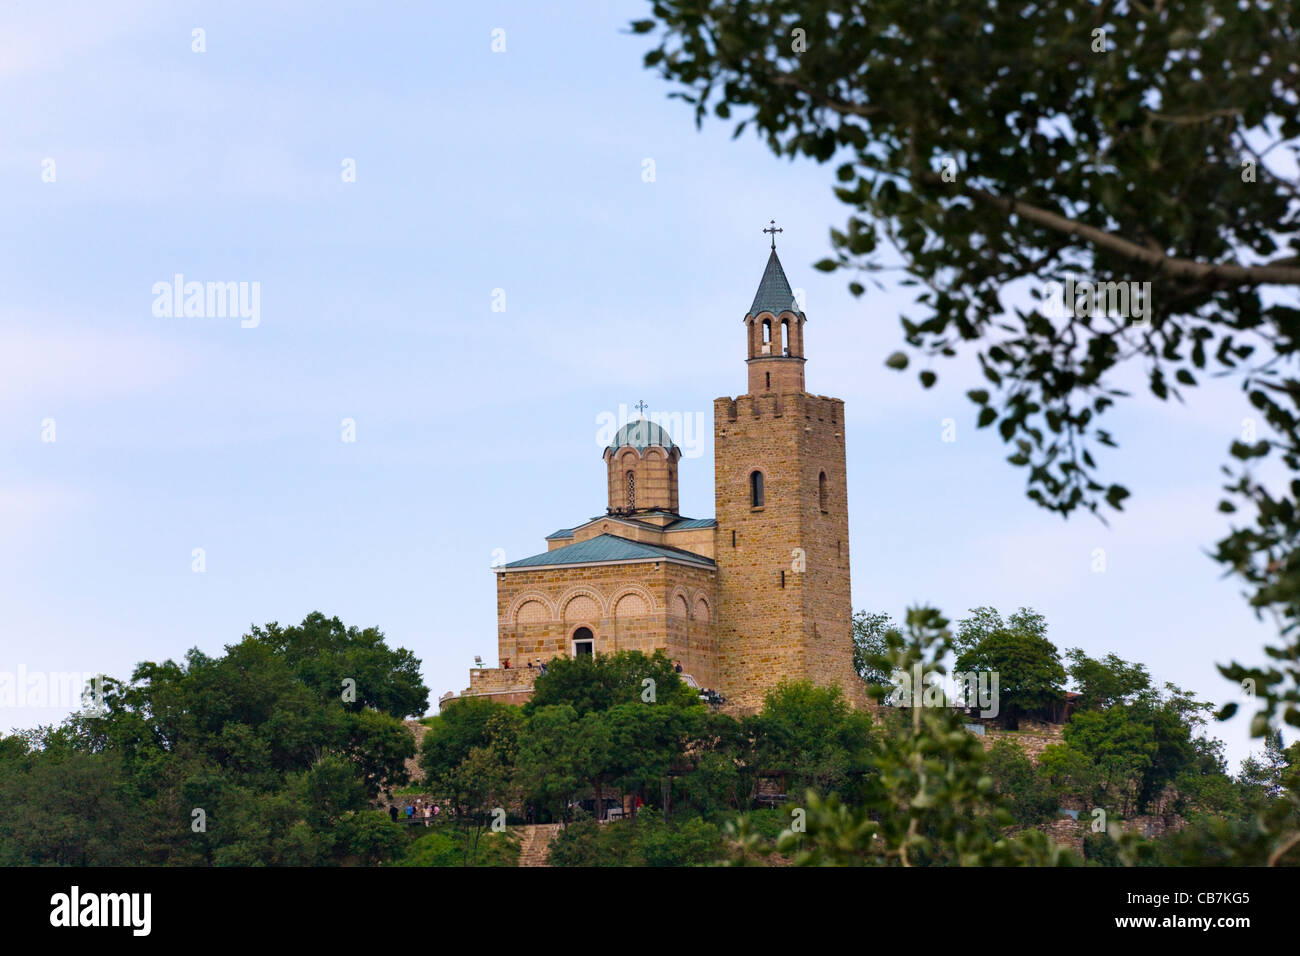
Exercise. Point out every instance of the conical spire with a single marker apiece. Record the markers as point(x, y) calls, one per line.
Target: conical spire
point(774, 293)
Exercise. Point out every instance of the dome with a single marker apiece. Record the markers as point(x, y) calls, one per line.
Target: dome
point(640, 434)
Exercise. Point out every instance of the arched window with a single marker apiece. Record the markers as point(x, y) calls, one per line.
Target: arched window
point(756, 490)
point(785, 336)
point(584, 642)
point(767, 331)
point(630, 485)
point(821, 491)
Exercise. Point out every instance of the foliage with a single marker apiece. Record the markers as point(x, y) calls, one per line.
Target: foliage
point(644, 841)
point(1122, 143)
point(469, 758)
point(812, 734)
point(598, 682)
point(931, 800)
point(252, 757)
point(447, 847)
point(1103, 758)
point(1026, 792)
point(869, 630)
point(1106, 682)
point(1028, 665)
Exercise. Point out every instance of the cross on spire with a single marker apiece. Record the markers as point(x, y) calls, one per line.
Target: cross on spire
point(641, 406)
point(773, 231)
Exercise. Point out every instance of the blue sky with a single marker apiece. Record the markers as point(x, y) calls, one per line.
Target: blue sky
point(476, 171)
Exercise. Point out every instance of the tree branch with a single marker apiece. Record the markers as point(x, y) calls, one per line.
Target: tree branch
point(1267, 274)
point(825, 99)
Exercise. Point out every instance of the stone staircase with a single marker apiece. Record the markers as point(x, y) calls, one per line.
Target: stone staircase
point(536, 842)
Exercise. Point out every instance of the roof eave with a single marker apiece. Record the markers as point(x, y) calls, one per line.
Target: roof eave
point(703, 564)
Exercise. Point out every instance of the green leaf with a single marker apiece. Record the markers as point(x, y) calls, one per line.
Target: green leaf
point(897, 361)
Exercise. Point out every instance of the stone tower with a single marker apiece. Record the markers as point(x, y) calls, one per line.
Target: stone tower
point(642, 462)
point(784, 606)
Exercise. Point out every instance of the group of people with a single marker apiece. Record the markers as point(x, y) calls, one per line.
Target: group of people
point(420, 810)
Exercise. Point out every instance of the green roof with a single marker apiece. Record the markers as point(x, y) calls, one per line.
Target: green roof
point(609, 547)
point(774, 293)
point(642, 433)
point(562, 533)
point(688, 523)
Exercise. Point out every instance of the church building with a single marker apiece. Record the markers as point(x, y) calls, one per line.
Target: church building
point(754, 596)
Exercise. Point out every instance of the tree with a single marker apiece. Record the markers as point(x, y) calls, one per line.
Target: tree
point(1028, 665)
point(812, 734)
point(1027, 794)
point(1106, 682)
point(1171, 718)
point(246, 758)
point(553, 759)
point(464, 724)
point(598, 682)
point(931, 800)
point(643, 743)
point(1262, 777)
point(869, 629)
point(1103, 758)
point(983, 622)
point(482, 788)
point(650, 842)
point(718, 753)
point(323, 654)
point(631, 716)
point(436, 847)
point(1148, 148)
point(468, 756)
point(67, 810)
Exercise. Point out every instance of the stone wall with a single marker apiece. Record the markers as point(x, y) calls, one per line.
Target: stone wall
point(654, 472)
point(784, 603)
point(1032, 737)
point(644, 606)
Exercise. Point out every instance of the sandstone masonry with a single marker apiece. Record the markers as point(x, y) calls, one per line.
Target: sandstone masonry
point(759, 595)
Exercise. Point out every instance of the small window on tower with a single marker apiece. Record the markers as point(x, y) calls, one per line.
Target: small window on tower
point(821, 491)
point(769, 379)
point(631, 491)
point(756, 490)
